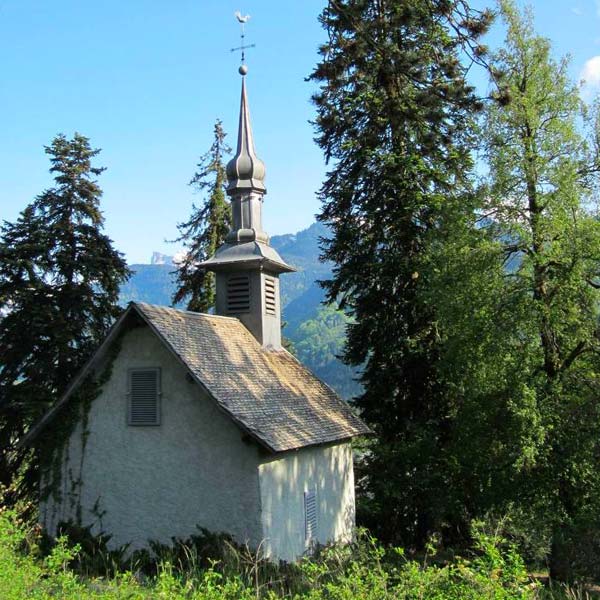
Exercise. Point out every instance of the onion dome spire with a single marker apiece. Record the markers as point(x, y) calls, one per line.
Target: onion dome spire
point(245, 171)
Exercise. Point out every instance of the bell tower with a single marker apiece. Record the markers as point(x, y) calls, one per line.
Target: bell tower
point(247, 268)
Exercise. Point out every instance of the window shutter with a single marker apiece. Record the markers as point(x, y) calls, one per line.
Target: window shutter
point(310, 514)
point(144, 395)
point(238, 294)
point(270, 295)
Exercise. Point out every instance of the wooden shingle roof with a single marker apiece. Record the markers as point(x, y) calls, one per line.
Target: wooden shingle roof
point(268, 393)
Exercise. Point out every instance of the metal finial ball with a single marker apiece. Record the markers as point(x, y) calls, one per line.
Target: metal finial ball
point(243, 70)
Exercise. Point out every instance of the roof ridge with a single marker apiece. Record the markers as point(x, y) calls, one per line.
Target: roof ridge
point(280, 403)
point(191, 313)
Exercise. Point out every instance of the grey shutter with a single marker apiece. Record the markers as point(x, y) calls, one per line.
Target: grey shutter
point(310, 514)
point(270, 295)
point(144, 397)
point(238, 294)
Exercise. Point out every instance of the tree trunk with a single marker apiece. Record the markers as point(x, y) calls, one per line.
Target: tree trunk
point(560, 555)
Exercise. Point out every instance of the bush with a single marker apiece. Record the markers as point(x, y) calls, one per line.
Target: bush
point(363, 570)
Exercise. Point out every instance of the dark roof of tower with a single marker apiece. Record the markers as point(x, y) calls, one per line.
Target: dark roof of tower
point(248, 255)
point(246, 246)
point(268, 394)
point(245, 171)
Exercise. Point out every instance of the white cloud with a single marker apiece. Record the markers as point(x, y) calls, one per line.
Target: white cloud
point(179, 257)
point(590, 73)
point(577, 11)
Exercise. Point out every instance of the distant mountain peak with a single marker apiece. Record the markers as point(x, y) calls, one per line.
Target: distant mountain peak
point(161, 259)
point(158, 258)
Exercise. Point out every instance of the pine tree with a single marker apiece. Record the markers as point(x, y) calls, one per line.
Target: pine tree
point(59, 285)
point(206, 229)
point(394, 116)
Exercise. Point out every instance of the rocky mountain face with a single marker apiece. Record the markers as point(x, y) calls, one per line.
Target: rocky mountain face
point(158, 258)
point(316, 332)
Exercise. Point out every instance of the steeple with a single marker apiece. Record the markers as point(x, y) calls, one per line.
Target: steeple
point(245, 170)
point(245, 176)
point(247, 268)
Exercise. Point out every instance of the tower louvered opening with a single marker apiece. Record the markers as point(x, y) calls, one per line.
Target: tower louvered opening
point(238, 294)
point(144, 396)
point(270, 305)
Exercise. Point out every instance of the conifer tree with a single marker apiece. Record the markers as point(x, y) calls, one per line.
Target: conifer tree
point(59, 285)
point(206, 229)
point(394, 118)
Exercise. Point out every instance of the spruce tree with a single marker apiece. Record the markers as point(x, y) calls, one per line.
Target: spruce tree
point(59, 285)
point(206, 228)
point(394, 119)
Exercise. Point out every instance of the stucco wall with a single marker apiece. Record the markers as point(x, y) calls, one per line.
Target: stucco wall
point(141, 483)
point(283, 481)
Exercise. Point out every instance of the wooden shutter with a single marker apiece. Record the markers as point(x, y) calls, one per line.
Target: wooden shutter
point(310, 514)
point(144, 397)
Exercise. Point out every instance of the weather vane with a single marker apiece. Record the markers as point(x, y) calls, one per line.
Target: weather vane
point(243, 47)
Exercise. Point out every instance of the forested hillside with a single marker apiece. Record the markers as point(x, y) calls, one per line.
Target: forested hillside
point(316, 332)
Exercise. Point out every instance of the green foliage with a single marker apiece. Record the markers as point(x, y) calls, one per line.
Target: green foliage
point(59, 285)
point(319, 341)
point(205, 230)
point(520, 309)
point(22, 575)
point(395, 116)
point(543, 173)
point(360, 571)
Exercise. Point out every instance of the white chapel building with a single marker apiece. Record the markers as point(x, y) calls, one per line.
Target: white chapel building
point(205, 420)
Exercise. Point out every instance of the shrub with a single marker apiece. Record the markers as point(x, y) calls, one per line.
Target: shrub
point(363, 570)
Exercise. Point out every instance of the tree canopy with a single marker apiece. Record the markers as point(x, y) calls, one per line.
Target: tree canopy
point(205, 230)
point(59, 285)
point(395, 121)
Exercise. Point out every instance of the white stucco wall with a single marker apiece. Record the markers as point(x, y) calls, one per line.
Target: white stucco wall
point(283, 481)
point(141, 483)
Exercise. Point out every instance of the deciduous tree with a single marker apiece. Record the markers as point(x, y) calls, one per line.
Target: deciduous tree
point(543, 173)
point(520, 308)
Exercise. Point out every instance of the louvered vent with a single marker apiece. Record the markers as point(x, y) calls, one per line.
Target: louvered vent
point(144, 394)
point(238, 294)
point(270, 295)
point(310, 514)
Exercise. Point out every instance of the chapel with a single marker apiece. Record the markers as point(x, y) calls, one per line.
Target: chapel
point(205, 420)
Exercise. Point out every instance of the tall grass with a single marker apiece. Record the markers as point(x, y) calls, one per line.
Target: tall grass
point(360, 571)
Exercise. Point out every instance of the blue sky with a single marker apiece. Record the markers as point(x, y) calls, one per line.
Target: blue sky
point(146, 79)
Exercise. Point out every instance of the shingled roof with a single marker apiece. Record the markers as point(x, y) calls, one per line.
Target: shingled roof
point(268, 393)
